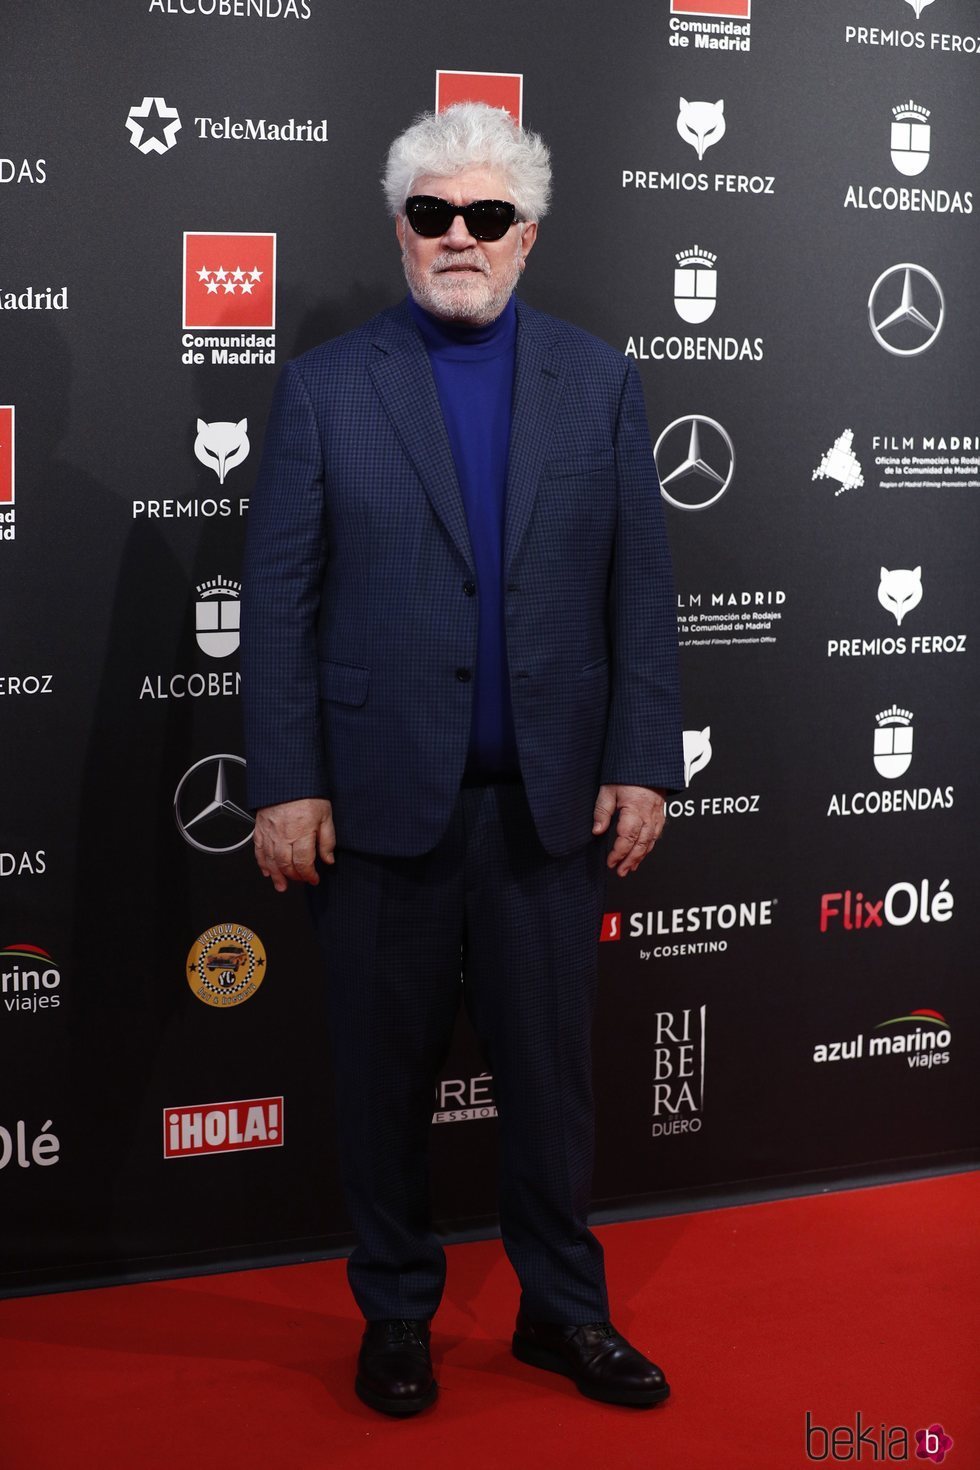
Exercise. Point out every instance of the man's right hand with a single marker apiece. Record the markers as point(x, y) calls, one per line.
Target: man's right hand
point(289, 836)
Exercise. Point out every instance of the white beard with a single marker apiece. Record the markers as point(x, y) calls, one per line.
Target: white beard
point(465, 296)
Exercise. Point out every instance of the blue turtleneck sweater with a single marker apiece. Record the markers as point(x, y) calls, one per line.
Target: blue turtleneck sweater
point(473, 369)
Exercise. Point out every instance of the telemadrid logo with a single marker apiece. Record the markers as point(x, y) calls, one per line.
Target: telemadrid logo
point(906, 329)
point(699, 477)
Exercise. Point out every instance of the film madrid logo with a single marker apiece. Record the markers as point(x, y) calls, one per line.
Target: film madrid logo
point(922, 1037)
point(229, 298)
point(910, 151)
point(153, 127)
point(905, 31)
point(724, 619)
point(217, 620)
point(713, 920)
point(900, 591)
point(711, 25)
point(222, 1128)
point(8, 527)
point(846, 1442)
point(892, 747)
point(678, 1071)
point(226, 965)
point(698, 751)
point(30, 980)
point(695, 299)
point(702, 125)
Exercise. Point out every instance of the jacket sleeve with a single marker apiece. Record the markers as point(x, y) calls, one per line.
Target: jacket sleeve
point(285, 554)
point(644, 745)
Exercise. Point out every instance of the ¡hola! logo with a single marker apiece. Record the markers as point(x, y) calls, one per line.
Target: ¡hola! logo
point(226, 965)
point(221, 1128)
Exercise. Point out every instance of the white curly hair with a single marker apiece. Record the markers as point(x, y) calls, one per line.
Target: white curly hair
point(470, 135)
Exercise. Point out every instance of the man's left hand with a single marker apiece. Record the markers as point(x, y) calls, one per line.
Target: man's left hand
point(641, 821)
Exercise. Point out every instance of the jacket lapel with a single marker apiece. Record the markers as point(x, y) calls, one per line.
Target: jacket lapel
point(404, 382)
point(538, 376)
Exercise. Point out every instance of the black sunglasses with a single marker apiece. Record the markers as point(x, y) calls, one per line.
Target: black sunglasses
point(486, 219)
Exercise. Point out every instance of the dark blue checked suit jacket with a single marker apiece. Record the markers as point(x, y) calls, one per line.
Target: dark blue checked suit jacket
point(358, 615)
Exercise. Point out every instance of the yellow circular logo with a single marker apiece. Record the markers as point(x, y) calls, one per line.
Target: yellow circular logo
point(226, 965)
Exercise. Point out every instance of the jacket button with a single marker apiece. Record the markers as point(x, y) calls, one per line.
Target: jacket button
point(469, 588)
point(463, 675)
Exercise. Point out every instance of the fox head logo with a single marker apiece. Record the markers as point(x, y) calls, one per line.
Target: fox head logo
point(919, 6)
point(900, 591)
point(697, 752)
point(701, 123)
point(221, 446)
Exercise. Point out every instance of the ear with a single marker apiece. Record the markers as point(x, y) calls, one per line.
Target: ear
point(529, 234)
point(884, 573)
point(242, 425)
point(917, 572)
point(706, 732)
point(720, 104)
point(683, 102)
point(201, 426)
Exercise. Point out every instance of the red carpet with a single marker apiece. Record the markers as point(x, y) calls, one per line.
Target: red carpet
point(866, 1300)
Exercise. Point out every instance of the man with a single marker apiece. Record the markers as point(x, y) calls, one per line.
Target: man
point(459, 676)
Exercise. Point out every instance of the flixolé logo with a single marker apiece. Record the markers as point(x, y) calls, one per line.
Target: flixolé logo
point(226, 965)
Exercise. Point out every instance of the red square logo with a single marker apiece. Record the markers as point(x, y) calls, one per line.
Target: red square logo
point(496, 88)
point(612, 927)
point(6, 455)
point(230, 281)
point(730, 9)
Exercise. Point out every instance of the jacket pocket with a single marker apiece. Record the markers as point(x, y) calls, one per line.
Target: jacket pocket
point(344, 683)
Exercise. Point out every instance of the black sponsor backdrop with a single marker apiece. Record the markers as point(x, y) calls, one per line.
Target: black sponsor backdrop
point(99, 598)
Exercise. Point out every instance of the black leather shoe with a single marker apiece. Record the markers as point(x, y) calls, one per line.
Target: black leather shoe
point(394, 1369)
point(601, 1362)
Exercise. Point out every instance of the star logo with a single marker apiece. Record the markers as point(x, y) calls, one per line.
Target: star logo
point(229, 281)
point(697, 476)
point(151, 118)
point(906, 330)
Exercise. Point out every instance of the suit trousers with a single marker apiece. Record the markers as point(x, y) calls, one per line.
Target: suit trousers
point(490, 917)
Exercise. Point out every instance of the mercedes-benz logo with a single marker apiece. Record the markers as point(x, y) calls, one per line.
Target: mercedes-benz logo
point(203, 802)
point(916, 322)
point(699, 476)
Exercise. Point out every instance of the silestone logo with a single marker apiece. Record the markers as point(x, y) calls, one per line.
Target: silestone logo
point(695, 295)
point(841, 464)
point(679, 1071)
point(153, 126)
point(702, 124)
point(714, 921)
